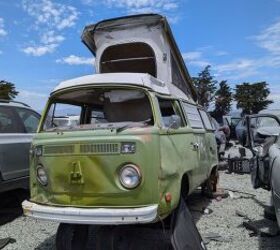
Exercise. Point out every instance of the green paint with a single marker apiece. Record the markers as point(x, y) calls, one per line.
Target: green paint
point(91, 180)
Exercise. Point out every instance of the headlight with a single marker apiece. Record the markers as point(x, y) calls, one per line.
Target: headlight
point(130, 176)
point(42, 175)
point(38, 151)
point(128, 148)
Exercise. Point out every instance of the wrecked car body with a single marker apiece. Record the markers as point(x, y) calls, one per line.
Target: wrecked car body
point(264, 142)
point(142, 141)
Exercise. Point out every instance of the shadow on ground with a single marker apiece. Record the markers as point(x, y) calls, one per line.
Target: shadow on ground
point(135, 237)
point(10, 205)
point(197, 204)
point(47, 244)
point(266, 230)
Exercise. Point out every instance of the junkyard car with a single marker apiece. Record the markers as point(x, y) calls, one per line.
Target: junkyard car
point(66, 121)
point(241, 131)
point(18, 123)
point(265, 144)
point(141, 142)
point(220, 136)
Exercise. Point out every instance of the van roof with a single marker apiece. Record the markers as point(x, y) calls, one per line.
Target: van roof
point(133, 79)
point(122, 29)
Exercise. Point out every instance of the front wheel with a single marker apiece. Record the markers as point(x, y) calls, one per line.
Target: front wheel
point(71, 237)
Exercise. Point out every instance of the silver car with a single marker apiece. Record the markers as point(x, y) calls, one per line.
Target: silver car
point(18, 123)
point(264, 140)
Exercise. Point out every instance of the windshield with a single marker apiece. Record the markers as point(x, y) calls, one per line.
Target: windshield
point(267, 122)
point(98, 108)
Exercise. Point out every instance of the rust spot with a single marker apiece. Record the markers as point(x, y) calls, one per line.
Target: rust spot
point(146, 138)
point(168, 197)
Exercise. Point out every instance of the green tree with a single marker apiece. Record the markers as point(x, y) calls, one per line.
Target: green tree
point(223, 100)
point(7, 90)
point(252, 98)
point(205, 86)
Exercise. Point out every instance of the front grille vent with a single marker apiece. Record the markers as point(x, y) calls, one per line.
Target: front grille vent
point(64, 149)
point(101, 148)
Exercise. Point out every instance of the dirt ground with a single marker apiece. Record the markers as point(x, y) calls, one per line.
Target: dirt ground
point(216, 219)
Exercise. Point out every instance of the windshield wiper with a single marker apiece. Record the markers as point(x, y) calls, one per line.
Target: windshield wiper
point(122, 128)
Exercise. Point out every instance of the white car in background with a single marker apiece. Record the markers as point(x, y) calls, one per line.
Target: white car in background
point(66, 121)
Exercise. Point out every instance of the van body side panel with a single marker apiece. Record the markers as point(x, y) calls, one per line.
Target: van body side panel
point(211, 149)
point(177, 158)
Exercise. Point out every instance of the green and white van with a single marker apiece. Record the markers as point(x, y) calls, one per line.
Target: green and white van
point(141, 142)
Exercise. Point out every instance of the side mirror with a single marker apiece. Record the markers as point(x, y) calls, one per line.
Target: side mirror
point(175, 122)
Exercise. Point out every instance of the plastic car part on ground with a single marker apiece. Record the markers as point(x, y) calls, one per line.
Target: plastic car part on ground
point(239, 159)
point(4, 242)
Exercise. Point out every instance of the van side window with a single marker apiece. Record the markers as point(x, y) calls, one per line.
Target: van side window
point(193, 115)
point(168, 108)
point(205, 119)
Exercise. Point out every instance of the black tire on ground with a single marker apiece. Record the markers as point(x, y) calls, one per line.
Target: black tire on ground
point(71, 237)
point(269, 213)
point(244, 139)
point(185, 187)
point(210, 185)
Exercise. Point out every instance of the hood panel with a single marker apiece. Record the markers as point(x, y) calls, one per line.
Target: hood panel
point(90, 175)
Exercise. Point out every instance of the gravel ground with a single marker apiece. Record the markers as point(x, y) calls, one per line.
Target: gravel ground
point(223, 221)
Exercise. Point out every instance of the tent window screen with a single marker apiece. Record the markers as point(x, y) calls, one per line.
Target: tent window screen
point(130, 58)
point(193, 115)
point(177, 77)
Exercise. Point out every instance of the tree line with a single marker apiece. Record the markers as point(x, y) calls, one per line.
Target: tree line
point(7, 90)
point(251, 98)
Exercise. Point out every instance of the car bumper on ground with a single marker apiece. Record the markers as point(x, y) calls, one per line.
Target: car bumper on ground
point(98, 216)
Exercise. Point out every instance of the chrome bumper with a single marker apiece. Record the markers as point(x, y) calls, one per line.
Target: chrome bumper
point(101, 216)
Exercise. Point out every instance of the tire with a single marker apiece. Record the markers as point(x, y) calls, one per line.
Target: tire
point(210, 185)
point(71, 237)
point(269, 213)
point(185, 187)
point(244, 139)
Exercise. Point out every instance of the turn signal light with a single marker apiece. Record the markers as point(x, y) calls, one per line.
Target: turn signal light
point(168, 197)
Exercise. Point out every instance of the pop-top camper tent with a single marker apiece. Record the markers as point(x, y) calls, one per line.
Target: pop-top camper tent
point(139, 44)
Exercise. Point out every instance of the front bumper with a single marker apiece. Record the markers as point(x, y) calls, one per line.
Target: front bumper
point(94, 216)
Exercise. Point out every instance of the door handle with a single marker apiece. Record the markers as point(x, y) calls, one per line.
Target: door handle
point(195, 146)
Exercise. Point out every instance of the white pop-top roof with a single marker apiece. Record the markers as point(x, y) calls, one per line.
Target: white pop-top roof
point(140, 79)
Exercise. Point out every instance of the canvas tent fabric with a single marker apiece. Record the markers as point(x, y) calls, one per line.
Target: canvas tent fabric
point(149, 30)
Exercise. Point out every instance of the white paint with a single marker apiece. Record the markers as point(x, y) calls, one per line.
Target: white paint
point(140, 79)
point(91, 216)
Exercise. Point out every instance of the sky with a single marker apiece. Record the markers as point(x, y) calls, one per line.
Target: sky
point(40, 41)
